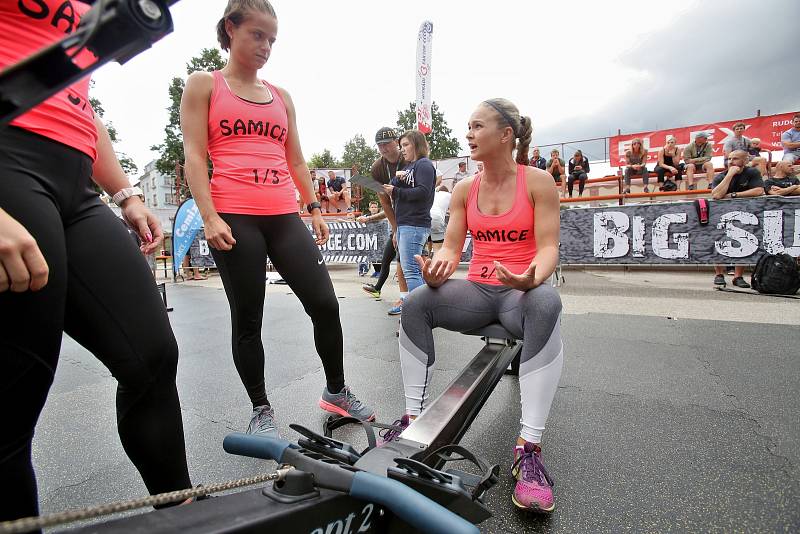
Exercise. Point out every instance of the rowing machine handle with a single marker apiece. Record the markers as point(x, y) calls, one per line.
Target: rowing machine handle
point(410, 506)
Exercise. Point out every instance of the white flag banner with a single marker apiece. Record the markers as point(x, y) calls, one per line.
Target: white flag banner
point(424, 42)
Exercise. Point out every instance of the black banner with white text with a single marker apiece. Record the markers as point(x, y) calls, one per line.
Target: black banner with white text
point(739, 231)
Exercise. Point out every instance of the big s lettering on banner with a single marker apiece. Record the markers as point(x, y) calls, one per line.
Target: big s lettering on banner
point(767, 128)
point(739, 231)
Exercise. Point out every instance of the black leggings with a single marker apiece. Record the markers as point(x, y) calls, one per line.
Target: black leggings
point(291, 249)
point(101, 292)
point(389, 254)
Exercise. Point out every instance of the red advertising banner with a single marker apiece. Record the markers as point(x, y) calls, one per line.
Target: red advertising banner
point(767, 128)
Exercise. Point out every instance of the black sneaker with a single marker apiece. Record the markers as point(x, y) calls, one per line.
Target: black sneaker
point(739, 282)
point(719, 280)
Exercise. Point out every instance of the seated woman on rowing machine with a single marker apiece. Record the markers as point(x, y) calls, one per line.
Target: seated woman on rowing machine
point(512, 213)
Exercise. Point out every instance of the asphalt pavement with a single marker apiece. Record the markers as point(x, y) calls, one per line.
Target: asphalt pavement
point(677, 410)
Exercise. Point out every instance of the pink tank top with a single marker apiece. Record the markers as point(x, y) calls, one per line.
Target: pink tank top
point(247, 146)
point(508, 238)
point(27, 27)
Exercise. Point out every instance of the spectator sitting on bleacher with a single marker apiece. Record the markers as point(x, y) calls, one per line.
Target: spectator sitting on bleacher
point(338, 189)
point(669, 160)
point(738, 180)
point(555, 166)
point(790, 139)
point(636, 158)
point(322, 193)
point(697, 156)
point(578, 167)
point(784, 183)
point(755, 152)
point(740, 142)
point(537, 160)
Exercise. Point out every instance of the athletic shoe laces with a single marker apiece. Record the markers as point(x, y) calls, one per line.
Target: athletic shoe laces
point(264, 421)
point(351, 401)
point(391, 434)
point(532, 467)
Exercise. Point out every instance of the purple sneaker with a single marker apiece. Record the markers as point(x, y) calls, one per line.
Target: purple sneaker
point(389, 434)
point(534, 489)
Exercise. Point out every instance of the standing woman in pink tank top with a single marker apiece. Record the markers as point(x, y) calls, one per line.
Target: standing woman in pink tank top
point(247, 127)
point(512, 212)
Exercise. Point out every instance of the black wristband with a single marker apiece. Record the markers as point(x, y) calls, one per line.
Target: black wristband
point(314, 205)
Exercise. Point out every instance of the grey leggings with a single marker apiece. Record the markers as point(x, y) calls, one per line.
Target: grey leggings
point(630, 172)
point(461, 305)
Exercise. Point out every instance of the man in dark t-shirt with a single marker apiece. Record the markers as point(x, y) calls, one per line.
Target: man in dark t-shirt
point(383, 170)
point(339, 189)
point(738, 181)
point(784, 183)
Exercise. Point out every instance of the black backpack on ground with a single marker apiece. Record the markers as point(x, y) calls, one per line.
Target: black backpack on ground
point(776, 274)
point(669, 185)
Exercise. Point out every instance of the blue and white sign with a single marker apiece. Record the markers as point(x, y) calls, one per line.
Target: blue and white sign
point(184, 228)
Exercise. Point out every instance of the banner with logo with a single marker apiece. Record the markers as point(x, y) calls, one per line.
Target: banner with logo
point(768, 128)
point(354, 242)
point(200, 253)
point(739, 231)
point(184, 228)
point(350, 242)
point(424, 44)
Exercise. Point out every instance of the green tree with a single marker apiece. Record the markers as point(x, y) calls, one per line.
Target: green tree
point(171, 149)
point(359, 156)
point(324, 160)
point(442, 144)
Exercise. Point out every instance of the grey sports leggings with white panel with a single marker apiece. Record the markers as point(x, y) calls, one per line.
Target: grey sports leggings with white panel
point(462, 305)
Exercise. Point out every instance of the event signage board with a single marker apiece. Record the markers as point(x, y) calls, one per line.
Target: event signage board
point(349, 242)
point(768, 128)
point(739, 231)
point(184, 231)
point(423, 105)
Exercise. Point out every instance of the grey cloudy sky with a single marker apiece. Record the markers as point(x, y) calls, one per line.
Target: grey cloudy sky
point(580, 69)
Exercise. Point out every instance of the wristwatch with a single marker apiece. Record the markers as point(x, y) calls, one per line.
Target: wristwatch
point(314, 205)
point(125, 193)
point(733, 195)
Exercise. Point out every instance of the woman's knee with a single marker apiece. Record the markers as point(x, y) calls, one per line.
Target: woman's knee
point(541, 302)
point(157, 363)
point(419, 301)
point(323, 306)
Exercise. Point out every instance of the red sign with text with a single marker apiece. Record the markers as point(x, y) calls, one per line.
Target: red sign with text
point(767, 128)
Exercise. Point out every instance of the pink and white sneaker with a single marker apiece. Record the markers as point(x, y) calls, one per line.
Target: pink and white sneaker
point(534, 489)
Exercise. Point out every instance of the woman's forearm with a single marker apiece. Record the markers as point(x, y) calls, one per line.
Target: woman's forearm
point(197, 175)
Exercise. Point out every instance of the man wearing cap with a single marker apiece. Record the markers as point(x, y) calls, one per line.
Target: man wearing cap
point(383, 170)
point(697, 156)
point(461, 174)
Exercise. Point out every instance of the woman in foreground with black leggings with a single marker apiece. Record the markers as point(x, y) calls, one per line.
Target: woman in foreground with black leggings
point(67, 265)
point(247, 126)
